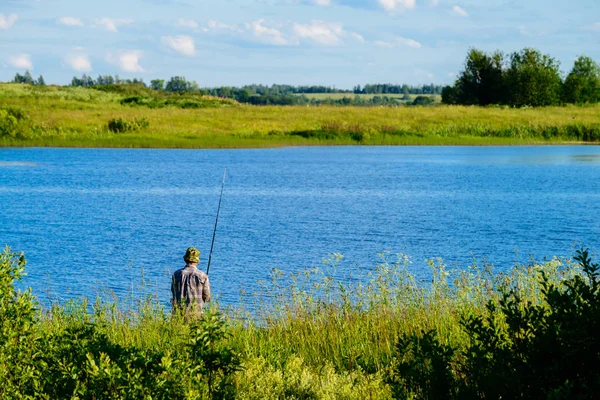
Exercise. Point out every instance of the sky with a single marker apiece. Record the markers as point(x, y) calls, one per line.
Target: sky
point(338, 43)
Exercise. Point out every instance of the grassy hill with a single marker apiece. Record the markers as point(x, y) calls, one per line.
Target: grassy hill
point(87, 117)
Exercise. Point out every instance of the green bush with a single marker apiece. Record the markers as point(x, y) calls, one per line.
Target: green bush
point(19, 352)
point(423, 101)
point(517, 348)
point(14, 123)
point(121, 125)
point(70, 354)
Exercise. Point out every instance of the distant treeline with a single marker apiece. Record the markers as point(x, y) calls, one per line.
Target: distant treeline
point(279, 94)
point(524, 78)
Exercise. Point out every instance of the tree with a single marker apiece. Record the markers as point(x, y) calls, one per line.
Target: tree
point(582, 85)
point(405, 91)
point(157, 84)
point(178, 84)
point(40, 81)
point(533, 79)
point(75, 82)
point(18, 78)
point(243, 96)
point(481, 81)
point(27, 78)
point(449, 95)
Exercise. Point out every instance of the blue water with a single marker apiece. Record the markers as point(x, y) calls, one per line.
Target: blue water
point(91, 220)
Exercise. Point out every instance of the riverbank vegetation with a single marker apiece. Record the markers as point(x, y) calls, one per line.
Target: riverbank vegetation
point(36, 115)
point(529, 332)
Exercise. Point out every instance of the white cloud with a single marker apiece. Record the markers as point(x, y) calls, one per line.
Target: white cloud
point(21, 61)
point(216, 25)
point(181, 44)
point(321, 2)
point(321, 32)
point(595, 26)
point(393, 5)
point(523, 31)
point(8, 20)
point(70, 21)
point(399, 42)
point(386, 45)
point(112, 25)
point(286, 33)
point(267, 34)
point(434, 3)
point(355, 36)
point(324, 33)
point(79, 62)
point(128, 61)
point(187, 23)
point(456, 10)
point(408, 42)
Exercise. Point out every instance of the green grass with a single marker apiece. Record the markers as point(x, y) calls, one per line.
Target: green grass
point(308, 335)
point(78, 117)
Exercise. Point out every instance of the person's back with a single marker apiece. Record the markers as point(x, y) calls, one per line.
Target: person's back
point(190, 287)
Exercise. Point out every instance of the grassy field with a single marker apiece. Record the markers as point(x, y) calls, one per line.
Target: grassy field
point(78, 117)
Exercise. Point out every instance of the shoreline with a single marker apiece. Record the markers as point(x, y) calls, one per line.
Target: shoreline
point(261, 145)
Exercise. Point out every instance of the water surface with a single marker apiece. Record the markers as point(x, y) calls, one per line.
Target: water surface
point(95, 218)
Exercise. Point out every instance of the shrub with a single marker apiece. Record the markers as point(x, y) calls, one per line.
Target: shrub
point(68, 355)
point(14, 123)
point(423, 101)
point(18, 350)
point(297, 380)
point(517, 348)
point(120, 125)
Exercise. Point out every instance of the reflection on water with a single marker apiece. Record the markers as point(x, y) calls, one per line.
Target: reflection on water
point(587, 158)
point(17, 164)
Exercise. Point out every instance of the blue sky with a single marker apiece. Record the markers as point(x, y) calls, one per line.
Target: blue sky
point(301, 42)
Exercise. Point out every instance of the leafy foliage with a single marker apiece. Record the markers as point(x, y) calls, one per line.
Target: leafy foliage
point(423, 101)
point(533, 79)
point(77, 359)
point(481, 82)
point(526, 78)
point(121, 125)
point(582, 85)
point(518, 348)
point(531, 332)
point(14, 123)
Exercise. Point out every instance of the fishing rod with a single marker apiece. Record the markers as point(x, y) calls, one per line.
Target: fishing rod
point(216, 222)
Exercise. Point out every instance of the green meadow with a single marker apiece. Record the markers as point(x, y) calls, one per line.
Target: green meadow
point(81, 117)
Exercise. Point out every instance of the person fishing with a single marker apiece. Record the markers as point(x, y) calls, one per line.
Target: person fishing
point(190, 287)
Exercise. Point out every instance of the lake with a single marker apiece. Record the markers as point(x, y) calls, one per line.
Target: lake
point(91, 220)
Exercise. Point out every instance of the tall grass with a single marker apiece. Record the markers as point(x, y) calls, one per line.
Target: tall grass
point(79, 117)
point(312, 334)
